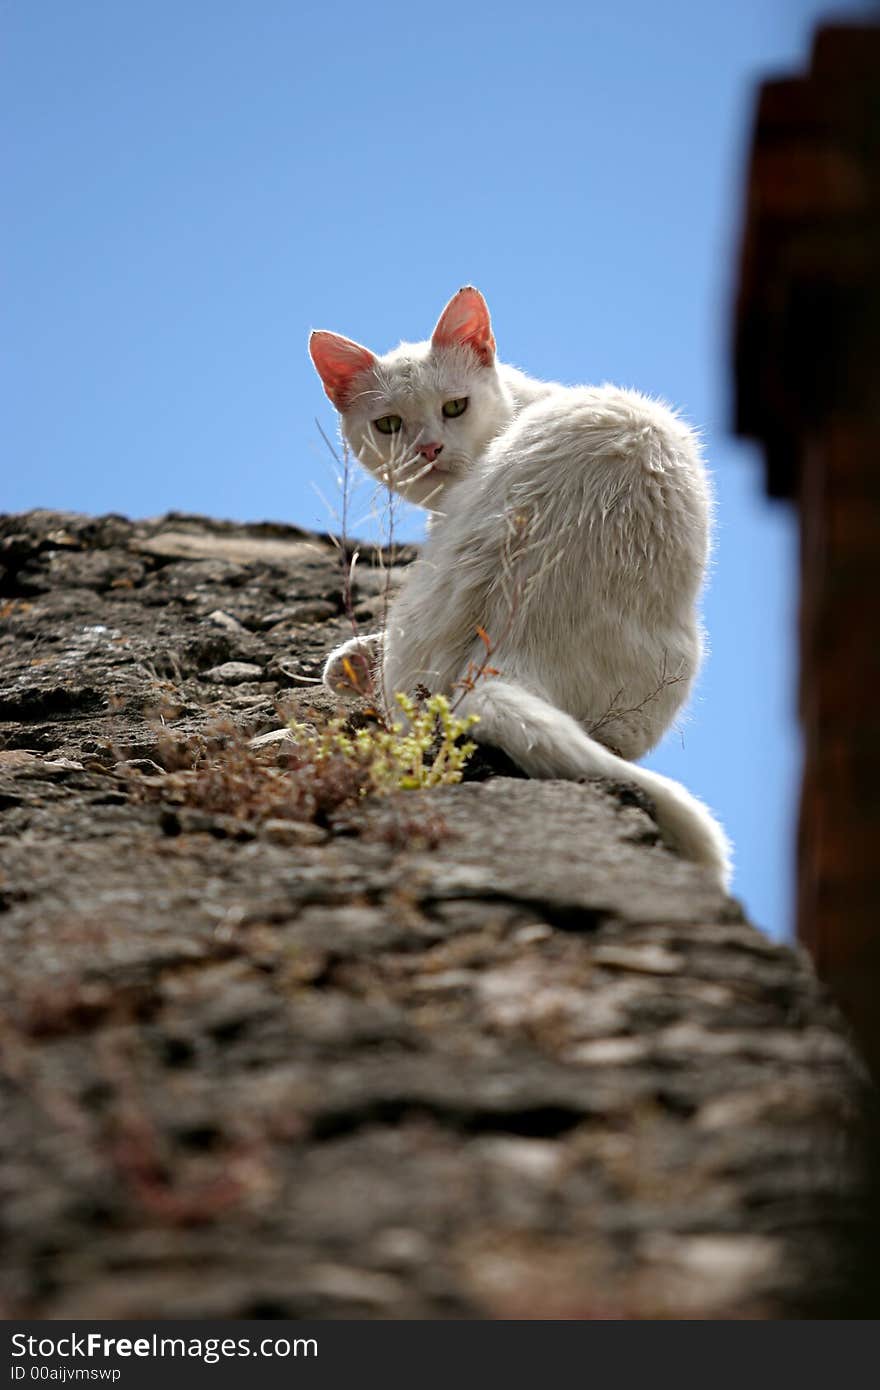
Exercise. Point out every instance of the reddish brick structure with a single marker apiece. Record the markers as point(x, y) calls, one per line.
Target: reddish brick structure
point(807, 362)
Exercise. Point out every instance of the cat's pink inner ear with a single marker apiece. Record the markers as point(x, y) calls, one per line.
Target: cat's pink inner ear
point(465, 322)
point(338, 362)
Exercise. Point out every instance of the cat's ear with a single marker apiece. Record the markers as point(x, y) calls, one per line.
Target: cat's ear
point(338, 361)
point(465, 322)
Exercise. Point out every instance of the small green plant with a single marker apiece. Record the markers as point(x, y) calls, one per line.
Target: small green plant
point(321, 774)
point(425, 751)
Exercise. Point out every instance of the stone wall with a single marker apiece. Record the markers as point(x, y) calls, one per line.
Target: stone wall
point(486, 1051)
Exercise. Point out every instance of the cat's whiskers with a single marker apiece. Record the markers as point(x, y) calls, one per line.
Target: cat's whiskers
point(385, 468)
point(429, 497)
point(403, 468)
point(401, 460)
point(367, 394)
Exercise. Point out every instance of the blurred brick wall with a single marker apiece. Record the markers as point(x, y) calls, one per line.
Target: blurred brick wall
point(807, 364)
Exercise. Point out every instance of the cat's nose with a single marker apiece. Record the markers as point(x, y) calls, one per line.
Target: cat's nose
point(430, 451)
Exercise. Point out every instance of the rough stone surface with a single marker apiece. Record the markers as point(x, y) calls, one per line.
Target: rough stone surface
point(542, 1070)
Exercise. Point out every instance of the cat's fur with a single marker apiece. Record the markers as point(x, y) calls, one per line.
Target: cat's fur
point(570, 524)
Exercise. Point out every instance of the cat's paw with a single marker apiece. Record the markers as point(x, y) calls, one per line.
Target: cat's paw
point(350, 670)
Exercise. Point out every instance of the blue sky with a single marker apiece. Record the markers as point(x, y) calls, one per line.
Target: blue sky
point(192, 186)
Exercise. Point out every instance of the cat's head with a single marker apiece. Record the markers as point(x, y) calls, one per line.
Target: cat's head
point(419, 416)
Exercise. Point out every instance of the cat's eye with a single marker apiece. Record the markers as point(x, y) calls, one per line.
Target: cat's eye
point(457, 407)
point(388, 424)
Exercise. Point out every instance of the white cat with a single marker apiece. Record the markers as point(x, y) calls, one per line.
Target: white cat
point(570, 527)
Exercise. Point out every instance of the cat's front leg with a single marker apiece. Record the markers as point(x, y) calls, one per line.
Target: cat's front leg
point(351, 669)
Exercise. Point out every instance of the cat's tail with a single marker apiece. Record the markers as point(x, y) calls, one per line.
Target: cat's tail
point(546, 742)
